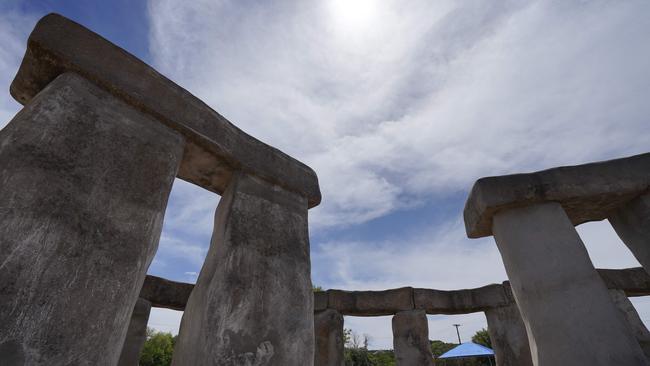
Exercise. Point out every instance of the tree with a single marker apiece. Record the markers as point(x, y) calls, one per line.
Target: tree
point(482, 337)
point(440, 347)
point(356, 349)
point(158, 349)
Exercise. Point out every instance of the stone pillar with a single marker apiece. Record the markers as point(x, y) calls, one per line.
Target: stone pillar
point(136, 335)
point(253, 301)
point(569, 315)
point(632, 224)
point(633, 319)
point(508, 336)
point(84, 182)
point(411, 339)
point(330, 342)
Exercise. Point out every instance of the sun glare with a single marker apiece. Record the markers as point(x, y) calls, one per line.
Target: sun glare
point(354, 15)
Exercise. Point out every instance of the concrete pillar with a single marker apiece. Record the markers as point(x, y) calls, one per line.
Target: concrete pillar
point(253, 301)
point(411, 339)
point(632, 224)
point(508, 336)
point(136, 335)
point(633, 319)
point(329, 339)
point(84, 182)
point(569, 315)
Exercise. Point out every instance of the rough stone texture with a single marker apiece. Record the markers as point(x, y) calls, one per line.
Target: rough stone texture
point(84, 182)
point(328, 328)
point(164, 293)
point(459, 301)
point(371, 303)
point(136, 334)
point(259, 257)
point(411, 339)
point(632, 224)
point(320, 300)
point(634, 281)
point(587, 192)
point(215, 147)
point(567, 309)
point(634, 320)
point(508, 335)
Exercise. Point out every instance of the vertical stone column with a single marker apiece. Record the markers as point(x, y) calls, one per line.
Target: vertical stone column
point(84, 182)
point(508, 336)
point(253, 301)
point(569, 315)
point(329, 339)
point(632, 224)
point(136, 335)
point(633, 319)
point(411, 339)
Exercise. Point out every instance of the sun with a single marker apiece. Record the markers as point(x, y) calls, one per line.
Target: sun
point(354, 15)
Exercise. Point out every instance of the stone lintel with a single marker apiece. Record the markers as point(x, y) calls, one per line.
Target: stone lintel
point(320, 300)
point(215, 147)
point(164, 293)
point(633, 281)
point(371, 303)
point(588, 192)
point(460, 301)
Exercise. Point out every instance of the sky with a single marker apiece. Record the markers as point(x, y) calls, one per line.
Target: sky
point(399, 107)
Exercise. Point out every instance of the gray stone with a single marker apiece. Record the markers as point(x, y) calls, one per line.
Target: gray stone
point(371, 303)
point(136, 334)
point(320, 300)
point(632, 224)
point(253, 301)
point(633, 319)
point(588, 192)
point(215, 147)
point(508, 336)
point(459, 301)
point(411, 339)
point(634, 281)
point(163, 293)
point(330, 342)
point(569, 315)
point(84, 182)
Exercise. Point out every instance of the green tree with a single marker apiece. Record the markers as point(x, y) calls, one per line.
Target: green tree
point(440, 347)
point(382, 358)
point(482, 337)
point(158, 349)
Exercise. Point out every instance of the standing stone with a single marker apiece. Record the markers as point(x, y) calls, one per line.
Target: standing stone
point(569, 315)
point(253, 301)
point(508, 336)
point(84, 182)
point(632, 224)
point(330, 343)
point(136, 334)
point(633, 319)
point(411, 339)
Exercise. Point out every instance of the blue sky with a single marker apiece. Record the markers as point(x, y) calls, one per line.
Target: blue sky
point(398, 107)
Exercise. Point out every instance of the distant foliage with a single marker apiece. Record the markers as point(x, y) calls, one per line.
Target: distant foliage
point(440, 347)
point(482, 337)
point(158, 349)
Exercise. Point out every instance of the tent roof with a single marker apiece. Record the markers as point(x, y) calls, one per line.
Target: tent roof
point(468, 349)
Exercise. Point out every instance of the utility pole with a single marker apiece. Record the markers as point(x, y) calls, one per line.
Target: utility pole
point(457, 332)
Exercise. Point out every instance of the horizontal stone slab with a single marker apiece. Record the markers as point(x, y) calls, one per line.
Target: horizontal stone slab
point(371, 303)
point(633, 281)
point(587, 192)
point(320, 300)
point(460, 301)
point(215, 147)
point(162, 293)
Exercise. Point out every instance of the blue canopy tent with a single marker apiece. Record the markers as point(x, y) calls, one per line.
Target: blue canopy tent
point(466, 350)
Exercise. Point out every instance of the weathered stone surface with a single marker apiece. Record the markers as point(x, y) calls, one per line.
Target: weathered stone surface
point(164, 293)
point(633, 319)
point(320, 300)
point(136, 334)
point(459, 301)
point(508, 336)
point(330, 342)
point(215, 147)
point(411, 339)
point(567, 309)
point(633, 281)
point(253, 301)
point(84, 182)
point(632, 224)
point(371, 303)
point(587, 192)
